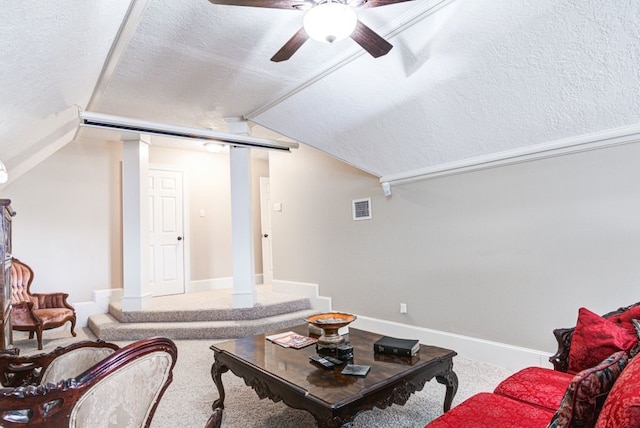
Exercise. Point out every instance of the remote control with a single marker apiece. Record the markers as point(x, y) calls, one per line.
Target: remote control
point(322, 361)
point(335, 361)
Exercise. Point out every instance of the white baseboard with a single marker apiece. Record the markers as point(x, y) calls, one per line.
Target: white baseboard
point(319, 303)
point(495, 353)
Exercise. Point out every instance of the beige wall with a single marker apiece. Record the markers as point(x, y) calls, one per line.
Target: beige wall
point(208, 183)
point(68, 226)
point(68, 223)
point(504, 254)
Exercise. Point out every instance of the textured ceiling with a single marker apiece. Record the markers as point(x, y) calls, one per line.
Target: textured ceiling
point(466, 78)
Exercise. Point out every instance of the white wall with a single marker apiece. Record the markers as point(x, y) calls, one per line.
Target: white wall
point(68, 225)
point(504, 254)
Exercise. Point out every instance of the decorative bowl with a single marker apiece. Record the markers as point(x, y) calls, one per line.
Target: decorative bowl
point(330, 322)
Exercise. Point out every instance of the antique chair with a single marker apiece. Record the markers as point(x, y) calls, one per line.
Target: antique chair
point(35, 312)
point(62, 363)
point(124, 390)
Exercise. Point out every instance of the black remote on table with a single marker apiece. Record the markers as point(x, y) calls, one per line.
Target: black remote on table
point(322, 361)
point(335, 361)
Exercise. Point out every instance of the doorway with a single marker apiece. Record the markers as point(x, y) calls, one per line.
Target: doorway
point(166, 232)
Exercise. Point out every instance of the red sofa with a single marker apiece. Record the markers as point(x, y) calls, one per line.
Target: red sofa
point(578, 392)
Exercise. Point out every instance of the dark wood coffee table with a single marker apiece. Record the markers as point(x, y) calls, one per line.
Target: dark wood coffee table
point(287, 375)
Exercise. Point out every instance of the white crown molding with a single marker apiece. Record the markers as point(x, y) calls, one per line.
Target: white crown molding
point(582, 143)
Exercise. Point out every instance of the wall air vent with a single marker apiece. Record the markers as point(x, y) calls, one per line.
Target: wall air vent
point(362, 209)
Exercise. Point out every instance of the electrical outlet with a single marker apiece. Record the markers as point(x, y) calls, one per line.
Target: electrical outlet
point(403, 308)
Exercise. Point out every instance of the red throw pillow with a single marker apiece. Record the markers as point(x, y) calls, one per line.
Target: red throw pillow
point(594, 339)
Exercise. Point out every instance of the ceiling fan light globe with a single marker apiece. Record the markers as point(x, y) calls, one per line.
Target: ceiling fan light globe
point(329, 22)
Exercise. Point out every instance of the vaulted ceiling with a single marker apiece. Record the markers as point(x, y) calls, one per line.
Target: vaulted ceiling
point(465, 79)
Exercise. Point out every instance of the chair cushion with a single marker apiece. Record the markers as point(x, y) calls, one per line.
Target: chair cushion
point(53, 315)
point(587, 391)
point(595, 338)
point(622, 407)
point(486, 410)
point(536, 385)
point(73, 363)
point(124, 398)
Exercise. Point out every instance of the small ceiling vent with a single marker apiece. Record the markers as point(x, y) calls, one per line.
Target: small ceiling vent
point(362, 209)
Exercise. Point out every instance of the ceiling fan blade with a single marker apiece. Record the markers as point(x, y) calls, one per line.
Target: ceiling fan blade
point(273, 4)
point(372, 3)
point(370, 40)
point(292, 45)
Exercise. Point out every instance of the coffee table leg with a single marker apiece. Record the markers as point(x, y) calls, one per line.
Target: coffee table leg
point(450, 380)
point(216, 374)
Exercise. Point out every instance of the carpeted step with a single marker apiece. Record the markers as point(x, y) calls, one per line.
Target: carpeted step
point(108, 328)
point(215, 314)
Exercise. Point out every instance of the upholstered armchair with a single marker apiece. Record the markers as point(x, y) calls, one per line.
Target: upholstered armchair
point(35, 312)
point(122, 390)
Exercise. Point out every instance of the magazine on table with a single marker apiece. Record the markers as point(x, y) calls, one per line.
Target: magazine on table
point(291, 339)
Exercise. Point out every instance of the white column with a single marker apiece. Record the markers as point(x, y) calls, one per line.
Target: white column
point(135, 223)
point(244, 290)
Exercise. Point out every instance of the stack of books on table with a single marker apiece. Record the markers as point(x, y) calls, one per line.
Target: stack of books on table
point(395, 346)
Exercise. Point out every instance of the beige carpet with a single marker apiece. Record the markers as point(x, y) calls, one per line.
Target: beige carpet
point(187, 402)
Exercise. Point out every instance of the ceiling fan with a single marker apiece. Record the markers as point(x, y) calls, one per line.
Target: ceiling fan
point(325, 20)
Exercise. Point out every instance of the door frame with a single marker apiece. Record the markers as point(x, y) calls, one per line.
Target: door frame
point(266, 212)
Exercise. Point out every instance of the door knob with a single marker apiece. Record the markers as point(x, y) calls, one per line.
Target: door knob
point(265, 235)
point(179, 238)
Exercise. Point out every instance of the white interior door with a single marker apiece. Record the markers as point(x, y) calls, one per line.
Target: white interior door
point(265, 222)
point(166, 232)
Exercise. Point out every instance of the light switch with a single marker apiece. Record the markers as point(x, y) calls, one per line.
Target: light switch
point(201, 212)
point(277, 206)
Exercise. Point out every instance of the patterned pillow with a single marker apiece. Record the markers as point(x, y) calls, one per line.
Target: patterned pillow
point(586, 393)
point(622, 408)
point(594, 339)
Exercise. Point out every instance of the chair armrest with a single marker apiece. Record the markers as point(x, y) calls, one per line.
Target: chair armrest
point(22, 306)
point(28, 370)
point(23, 313)
point(52, 300)
point(45, 405)
point(560, 359)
